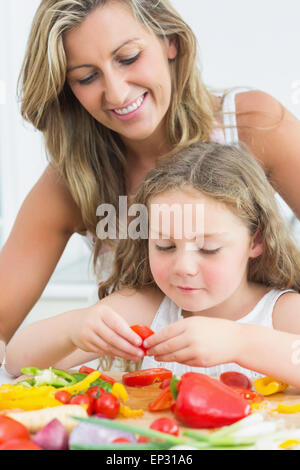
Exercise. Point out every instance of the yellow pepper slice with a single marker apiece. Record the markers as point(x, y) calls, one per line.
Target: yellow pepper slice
point(29, 403)
point(83, 384)
point(288, 409)
point(128, 412)
point(119, 391)
point(268, 386)
point(289, 444)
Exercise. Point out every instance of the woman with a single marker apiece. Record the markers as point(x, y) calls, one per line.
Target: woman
point(113, 86)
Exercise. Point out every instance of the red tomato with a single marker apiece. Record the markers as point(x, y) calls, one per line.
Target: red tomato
point(167, 425)
point(235, 379)
point(144, 332)
point(19, 444)
point(142, 439)
point(83, 399)
point(143, 377)
point(63, 396)
point(122, 440)
point(107, 405)
point(12, 429)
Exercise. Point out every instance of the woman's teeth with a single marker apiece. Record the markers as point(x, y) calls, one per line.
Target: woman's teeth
point(132, 107)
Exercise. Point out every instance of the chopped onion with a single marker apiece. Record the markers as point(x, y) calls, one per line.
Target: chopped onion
point(87, 433)
point(53, 436)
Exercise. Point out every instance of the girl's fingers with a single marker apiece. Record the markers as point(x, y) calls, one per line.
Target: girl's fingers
point(167, 333)
point(183, 356)
point(117, 323)
point(115, 341)
point(169, 347)
point(99, 345)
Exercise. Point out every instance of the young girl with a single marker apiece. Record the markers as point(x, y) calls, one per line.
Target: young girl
point(223, 296)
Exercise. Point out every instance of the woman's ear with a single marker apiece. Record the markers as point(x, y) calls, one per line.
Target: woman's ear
point(256, 248)
point(172, 46)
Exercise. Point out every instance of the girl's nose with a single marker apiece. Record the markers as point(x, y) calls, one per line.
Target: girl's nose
point(115, 90)
point(186, 263)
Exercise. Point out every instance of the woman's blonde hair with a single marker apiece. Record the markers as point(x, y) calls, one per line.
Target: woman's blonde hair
point(88, 156)
point(232, 176)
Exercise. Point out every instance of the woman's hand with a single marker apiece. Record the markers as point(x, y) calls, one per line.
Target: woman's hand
point(196, 341)
point(100, 329)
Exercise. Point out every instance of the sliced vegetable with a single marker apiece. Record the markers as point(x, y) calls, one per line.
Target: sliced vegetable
point(19, 444)
point(89, 370)
point(89, 433)
point(143, 332)
point(164, 401)
point(268, 386)
point(205, 402)
point(166, 425)
point(120, 391)
point(288, 409)
point(35, 420)
point(235, 379)
point(128, 412)
point(12, 429)
point(51, 376)
point(84, 385)
point(141, 378)
point(53, 436)
point(250, 395)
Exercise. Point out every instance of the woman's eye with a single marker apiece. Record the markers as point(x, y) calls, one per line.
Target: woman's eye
point(87, 80)
point(130, 60)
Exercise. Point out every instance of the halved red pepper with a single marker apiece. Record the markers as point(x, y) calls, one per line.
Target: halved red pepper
point(205, 402)
point(143, 377)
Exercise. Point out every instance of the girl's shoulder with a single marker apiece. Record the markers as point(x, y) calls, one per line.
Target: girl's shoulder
point(286, 313)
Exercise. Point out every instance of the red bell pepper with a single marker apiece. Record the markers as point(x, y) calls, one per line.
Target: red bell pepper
point(164, 401)
point(205, 402)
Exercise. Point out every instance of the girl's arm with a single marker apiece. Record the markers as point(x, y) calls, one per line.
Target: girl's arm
point(278, 148)
point(79, 336)
point(274, 352)
point(47, 219)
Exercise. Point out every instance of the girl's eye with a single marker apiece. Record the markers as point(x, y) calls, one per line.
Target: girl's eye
point(130, 60)
point(165, 248)
point(89, 79)
point(208, 252)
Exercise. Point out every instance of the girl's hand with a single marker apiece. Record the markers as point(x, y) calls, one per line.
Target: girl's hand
point(100, 329)
point(196, 341)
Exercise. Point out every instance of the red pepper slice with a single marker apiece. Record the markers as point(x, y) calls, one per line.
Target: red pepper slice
point(235, 379)
point(164, 401)
point(250, 395)
point(144, 332)
point(141, 378)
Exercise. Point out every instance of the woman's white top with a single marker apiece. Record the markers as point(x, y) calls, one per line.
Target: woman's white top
point(169, 313)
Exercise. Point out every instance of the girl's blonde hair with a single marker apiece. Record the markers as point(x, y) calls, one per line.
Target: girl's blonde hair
point(88, 156)
point(232, 176)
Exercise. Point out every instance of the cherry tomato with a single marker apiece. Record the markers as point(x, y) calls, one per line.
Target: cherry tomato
point(167, 425)
point(122, 439)
point(12, 429)
point(107, 404)
point(235, 379)
point(143, 377)
point(94, 393)
point(63, 396)
point(250, 395)
point(19, 444)
point(143, 332)
point(82, 399)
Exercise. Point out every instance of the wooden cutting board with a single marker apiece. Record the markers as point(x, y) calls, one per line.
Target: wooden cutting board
point(139, 397)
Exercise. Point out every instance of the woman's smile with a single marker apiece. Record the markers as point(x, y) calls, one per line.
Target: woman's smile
point(132, 110)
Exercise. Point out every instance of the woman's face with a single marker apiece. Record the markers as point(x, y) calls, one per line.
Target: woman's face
point(119, 71)
point(198, 266)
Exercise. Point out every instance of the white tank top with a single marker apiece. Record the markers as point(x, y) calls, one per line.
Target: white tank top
point(169, 313)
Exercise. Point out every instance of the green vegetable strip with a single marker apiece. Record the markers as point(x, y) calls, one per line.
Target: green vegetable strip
point(133, 429)
point(197, 436)
point(119, 446)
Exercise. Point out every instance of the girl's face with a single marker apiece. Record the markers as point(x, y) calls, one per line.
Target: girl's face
point(198, 272)
point(119, 71)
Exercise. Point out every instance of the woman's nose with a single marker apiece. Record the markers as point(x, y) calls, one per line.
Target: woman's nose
point(115, 93)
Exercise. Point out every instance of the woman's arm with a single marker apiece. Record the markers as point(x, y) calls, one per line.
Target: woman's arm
point(274, 352)
point(278, 148)
point(44, 224)
point(79, 336)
